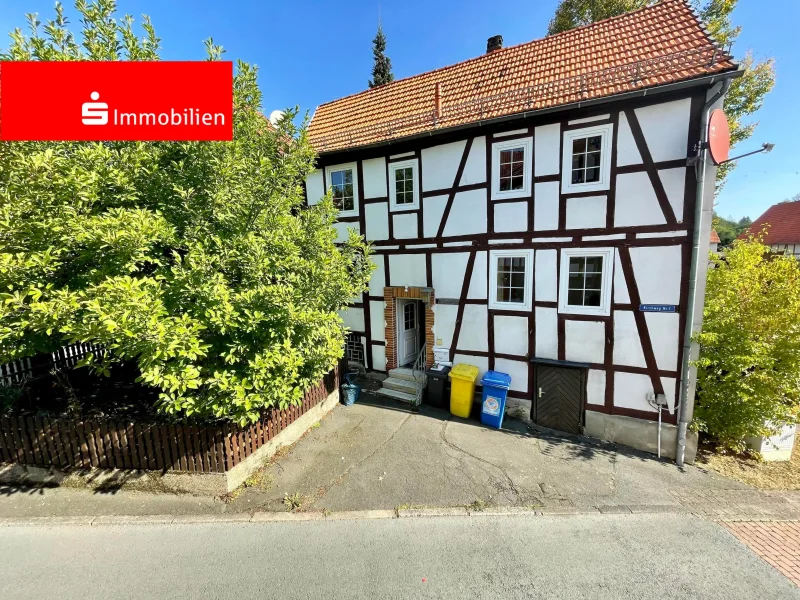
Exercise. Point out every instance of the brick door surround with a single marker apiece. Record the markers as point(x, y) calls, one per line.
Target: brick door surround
point(389, 315)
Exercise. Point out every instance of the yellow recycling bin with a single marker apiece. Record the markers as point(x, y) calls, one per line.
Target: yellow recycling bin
point(462, 389)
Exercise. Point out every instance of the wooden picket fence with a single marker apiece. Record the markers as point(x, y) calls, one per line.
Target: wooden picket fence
point(26, 369)
point(106, 444)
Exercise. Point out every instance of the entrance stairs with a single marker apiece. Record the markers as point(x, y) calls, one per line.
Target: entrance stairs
point(400, 385)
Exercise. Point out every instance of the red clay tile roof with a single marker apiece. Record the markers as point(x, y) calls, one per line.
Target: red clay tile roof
point(714, 237)
point(653, 46)
point(784, 224)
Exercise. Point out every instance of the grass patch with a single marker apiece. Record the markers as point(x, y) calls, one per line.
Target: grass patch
point(293, 502)
point(783, 475)
point(409, 507)
point(478, 505)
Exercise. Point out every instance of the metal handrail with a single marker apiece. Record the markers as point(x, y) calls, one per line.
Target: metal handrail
point(418, 372)
point(531, 97)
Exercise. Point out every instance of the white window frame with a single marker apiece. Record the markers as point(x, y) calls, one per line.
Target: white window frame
point(403, 164)
point(606, 132)
point(494, 303)
point(344, 167)
point(604, 310)
point(526, 144)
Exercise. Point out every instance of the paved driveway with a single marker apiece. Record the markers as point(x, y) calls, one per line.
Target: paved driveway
point(377, 454)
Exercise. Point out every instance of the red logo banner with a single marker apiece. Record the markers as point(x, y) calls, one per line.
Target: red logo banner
point(116, 101)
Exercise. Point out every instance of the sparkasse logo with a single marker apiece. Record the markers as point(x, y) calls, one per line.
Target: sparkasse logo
point(117, 101)
point(96, 113)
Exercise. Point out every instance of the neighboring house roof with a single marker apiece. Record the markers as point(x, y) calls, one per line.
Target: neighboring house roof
point(784, 224)
point(653, 46)
point(714, 237)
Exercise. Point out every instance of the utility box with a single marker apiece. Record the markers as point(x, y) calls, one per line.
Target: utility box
point(777, 447)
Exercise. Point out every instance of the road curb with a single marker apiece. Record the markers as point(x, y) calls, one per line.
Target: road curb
point(360, 515)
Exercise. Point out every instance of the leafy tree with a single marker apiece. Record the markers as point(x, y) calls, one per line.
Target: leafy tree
point(749, 367)
point(197, 260)
point(746, 94)
point(382, 67)
point(728, 229)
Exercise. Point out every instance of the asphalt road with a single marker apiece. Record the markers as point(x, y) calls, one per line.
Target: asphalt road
point(603, 556)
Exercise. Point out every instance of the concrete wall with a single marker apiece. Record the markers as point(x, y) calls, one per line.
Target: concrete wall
point(638, 434)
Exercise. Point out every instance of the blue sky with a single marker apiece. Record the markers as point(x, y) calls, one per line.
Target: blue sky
point(312, 52)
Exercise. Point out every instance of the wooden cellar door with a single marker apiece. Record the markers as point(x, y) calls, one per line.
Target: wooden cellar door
point(558, 398)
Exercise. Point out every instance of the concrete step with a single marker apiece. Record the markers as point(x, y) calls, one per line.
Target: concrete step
point(400, 385)
point(394, 394)
point(402, 373)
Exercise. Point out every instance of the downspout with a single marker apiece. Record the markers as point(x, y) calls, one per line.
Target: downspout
point(694, 307)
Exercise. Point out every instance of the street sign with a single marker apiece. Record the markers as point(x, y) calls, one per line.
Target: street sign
point(666, 308)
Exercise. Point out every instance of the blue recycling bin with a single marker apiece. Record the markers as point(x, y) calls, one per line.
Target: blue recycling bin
point(493, 401)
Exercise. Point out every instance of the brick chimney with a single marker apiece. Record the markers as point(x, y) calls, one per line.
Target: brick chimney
point(494, 43)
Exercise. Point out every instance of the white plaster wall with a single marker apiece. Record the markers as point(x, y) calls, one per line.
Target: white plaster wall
point(627, 343)
point(405, 226)
point(379, 358)
point(444, 323)
point(378, 279)
point(518, 371)
point(475, 169)
point(547, 149)
point(474, 334)
point(511, 216)
point(674, 182)
point(664, 335)
point(377, 221)
point(636, 202)
point(545, 205)
point(584, 341)
point(666, 128)
point(481, 362)
point(627, 152)
point(596, 387)
point(377, 321)
point(374, 177)
point(545, 276)
point(341, 230)
point(657, 271)
point(353, 318)
point(448, 273)
point(315, 189)
point(546, 333)
point(440, 165)
point(621, 295)
point(433, 209)
point(468, 214)
point(477, 287)
point(668, 384)
point(586, 212)
point(630, 391)
point(407, 269)
point(511, 335)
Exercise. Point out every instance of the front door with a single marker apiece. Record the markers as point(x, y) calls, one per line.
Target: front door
point(407, 331)
point(558, 401)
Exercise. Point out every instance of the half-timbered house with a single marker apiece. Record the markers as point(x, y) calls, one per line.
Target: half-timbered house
point(539, 210)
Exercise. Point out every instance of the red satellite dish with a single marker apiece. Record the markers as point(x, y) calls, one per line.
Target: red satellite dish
point(719, 137)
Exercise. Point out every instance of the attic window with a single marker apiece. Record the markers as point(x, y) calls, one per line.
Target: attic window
point(511, 168)
point(587, 159)
point(403, 185)
point(343, 186)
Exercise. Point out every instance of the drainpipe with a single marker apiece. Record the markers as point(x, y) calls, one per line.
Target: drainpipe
point(694, 309)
